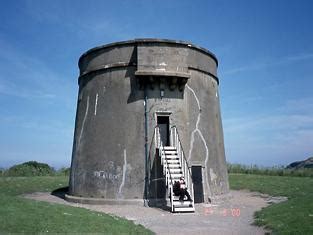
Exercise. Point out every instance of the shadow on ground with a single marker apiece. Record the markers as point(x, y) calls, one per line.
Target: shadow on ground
point(60, 192)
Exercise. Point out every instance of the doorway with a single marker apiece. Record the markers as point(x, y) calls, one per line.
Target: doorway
point(196, 172)
point(163, 122)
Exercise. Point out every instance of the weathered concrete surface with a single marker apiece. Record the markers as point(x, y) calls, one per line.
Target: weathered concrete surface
point(232, 217)
point(108, 158)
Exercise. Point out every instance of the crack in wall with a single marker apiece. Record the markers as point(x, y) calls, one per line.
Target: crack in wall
point(77, 150)
point(197, 130)
point(119, 194)
point(84, 120)
point(96, 104)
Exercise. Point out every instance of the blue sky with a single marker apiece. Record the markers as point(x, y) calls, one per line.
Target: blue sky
point(265, 52)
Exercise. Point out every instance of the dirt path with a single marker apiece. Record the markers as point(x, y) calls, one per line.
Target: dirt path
point(232, 217)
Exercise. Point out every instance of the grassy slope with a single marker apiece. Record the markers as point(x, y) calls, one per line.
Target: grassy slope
point(294, 216)
point(19, 215)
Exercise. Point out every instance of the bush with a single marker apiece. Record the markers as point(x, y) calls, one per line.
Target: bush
point(31, 168)
point(64, 171)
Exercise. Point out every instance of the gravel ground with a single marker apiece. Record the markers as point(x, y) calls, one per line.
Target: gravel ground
point(232, 217)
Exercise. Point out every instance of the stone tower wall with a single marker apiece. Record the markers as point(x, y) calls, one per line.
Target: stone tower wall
point(108, 161)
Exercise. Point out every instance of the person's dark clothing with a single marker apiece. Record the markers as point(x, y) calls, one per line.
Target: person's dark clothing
point(181, 192)
point(176, 188)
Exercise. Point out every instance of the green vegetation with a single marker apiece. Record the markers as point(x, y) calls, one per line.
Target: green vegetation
point(63, 171)
point(20, 215)
point(294, 216)
point(276, 170)
point(33, 168)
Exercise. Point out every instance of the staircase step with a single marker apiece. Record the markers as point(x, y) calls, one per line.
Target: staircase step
point(176, 175)
point(171, 157)
point(182, 204)
point(173, 171)
point(169, 148)
point(176, 170)
point(173, 161)
point(176, 198)
point(184, 209)
point(170, 152)
point(174, 165)
point(175, 178)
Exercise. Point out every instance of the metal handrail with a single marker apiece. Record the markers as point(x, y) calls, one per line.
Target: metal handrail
point(172, 197)
point(162, 152)
point(176, 142)
point(150, 155)
point(181, 146)
point(166, 171)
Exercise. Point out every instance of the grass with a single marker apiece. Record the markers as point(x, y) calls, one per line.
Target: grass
point(20, 215)
point(276, 170)
point(294, 216)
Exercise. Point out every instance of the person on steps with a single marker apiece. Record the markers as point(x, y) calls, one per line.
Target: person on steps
point(180, 189)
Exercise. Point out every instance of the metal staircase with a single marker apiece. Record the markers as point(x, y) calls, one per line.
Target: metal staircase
point(174, 166)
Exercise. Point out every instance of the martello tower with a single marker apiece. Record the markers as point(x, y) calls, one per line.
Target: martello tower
point(148, 112)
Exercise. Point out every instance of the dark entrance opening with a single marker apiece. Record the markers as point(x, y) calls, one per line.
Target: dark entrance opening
point(164, 128)
point(196, 172)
